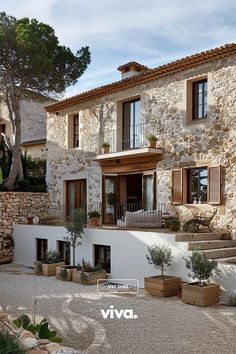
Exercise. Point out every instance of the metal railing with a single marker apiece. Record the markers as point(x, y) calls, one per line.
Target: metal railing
point(127, 138)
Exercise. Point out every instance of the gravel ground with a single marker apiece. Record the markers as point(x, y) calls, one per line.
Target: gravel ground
point(163, 325)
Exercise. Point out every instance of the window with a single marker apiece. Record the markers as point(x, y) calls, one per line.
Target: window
point(131, 125)
point(75, 195)
point(197, 179)
point(199, 99)
point(197, 185)
point(41, 248)
point(76, 130)
point(103, 256)
point(63, 249)
point(3, 128)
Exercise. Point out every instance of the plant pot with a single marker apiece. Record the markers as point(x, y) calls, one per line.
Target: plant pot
point(200, 295)
point(91, 278)
point(152, 144)
point(49, 270)
point(157, 286)
point(106, 150)
point(69, 271)
point(94, 221)
point(30, 220)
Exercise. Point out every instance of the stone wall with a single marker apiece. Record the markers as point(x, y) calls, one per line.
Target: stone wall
point(14, 208)
point(164, 108)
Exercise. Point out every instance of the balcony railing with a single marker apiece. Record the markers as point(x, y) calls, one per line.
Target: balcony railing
point(132, 137)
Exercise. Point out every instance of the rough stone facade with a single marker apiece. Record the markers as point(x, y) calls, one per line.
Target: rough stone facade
point(14, 208)
point(33, 122)
point(164, 109)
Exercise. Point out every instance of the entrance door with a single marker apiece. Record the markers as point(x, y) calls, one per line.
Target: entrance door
point(41, 248)
point(75, 195)
point(64, 251)
point(109, 199)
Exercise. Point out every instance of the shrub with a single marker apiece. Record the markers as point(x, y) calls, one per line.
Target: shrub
point(10, 344)
point(201, 268)
point(86, 267)
point(51, 257)
point(41, 330)
point(172, 224)
point(160, 257)
point(231, 300)
point(93, 214)
point(63, 274)
point(190, 226)
point(105, 144)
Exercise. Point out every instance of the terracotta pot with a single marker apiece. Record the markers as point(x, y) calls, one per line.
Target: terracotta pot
point(152, 144)
point(94, 221)
point(106, 150)
point(30, 220)
point(162, 287)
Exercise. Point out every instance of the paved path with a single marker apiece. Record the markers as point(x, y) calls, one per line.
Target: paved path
point(164, 326)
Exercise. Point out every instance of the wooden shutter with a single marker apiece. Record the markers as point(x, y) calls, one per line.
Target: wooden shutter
point(177, 186)
point(214, 185)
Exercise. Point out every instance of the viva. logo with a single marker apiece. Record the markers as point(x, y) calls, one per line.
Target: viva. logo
point(112, 313)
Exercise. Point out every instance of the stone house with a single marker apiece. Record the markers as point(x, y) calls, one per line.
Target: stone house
point(189, 104)
point(33, 123)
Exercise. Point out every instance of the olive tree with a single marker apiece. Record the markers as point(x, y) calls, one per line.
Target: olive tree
point(160, 257)
point(31, 58)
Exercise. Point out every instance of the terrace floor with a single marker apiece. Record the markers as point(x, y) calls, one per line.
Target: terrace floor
point(162, 326)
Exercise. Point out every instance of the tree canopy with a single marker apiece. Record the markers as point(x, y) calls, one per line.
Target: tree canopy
point(31, 58)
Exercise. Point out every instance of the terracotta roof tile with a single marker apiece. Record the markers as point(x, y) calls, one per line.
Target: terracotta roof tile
point(147, 76)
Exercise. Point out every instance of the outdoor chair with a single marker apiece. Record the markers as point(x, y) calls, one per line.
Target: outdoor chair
point(203, 220)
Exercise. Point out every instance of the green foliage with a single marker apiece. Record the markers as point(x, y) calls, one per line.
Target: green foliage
point(40, 330)
point(31, 55)
point(151, 137)
point(172, 224)
point(51, 257)
point(83, 277)
point(201, 268)
point(75, 229)
point(5, 159)
point(105, 144)
point(63, 274)
point(93, 214)
point(160, 257)
point(190, 226)
point(86, 267)
point(10, 344)
point(111, 198)
point(231, 300)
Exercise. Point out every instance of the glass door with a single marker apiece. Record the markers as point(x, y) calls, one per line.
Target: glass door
point(149, 191)
point(109, 198)
point(75, 196)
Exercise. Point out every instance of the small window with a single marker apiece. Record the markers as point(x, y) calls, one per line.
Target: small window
point(200, 99)
point(3, 128)
point(197, 180)
point(103, 257)
point(76, 130)
point(63, 249)
point(41, 248)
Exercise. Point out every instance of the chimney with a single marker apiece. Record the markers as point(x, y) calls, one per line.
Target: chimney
point(131, 69)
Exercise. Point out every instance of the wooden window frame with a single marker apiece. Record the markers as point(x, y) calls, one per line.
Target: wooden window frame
point(76, 130)
point(125, 145)
point(202, 103)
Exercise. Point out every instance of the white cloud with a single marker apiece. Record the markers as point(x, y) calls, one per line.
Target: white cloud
point(150, 31)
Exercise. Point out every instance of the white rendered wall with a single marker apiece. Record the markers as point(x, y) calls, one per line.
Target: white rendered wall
point(128, 252)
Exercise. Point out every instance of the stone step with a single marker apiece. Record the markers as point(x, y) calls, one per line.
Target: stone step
point(229, 260)
point(203, 236)
point(221, 253)
point(213, 244)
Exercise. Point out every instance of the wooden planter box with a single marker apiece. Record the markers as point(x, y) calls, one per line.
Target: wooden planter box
point(157, 286)
point(200, 296)
point(69, 272)
point(92, 277)
point(49, 270)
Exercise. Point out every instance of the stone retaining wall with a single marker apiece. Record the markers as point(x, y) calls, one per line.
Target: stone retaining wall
point(15, 207)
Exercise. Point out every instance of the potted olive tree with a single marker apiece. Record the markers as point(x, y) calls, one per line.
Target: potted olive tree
point(94, 218)
point(200, 293)
point(51, 261)
point(152, 139)
point(75, 230)
point(106, 147)
point(88, 275)
point(160, 256)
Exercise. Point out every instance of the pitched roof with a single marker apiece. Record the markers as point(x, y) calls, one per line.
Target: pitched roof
point(147, 76)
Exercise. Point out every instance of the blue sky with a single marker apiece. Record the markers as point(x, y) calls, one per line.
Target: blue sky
point(152, 32)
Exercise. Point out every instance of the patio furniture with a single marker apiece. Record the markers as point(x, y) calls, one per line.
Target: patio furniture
point(203, 220)
point(140, 219)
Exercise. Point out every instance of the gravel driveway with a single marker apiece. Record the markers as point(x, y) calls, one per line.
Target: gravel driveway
point(162, 325)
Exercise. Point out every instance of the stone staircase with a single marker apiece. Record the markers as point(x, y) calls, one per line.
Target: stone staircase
point(216, 245)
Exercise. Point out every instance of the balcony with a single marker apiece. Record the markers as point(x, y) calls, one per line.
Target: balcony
point(130, 142)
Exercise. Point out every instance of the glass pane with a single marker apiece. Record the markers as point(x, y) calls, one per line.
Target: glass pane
point(147, 193)
point(71, 196)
